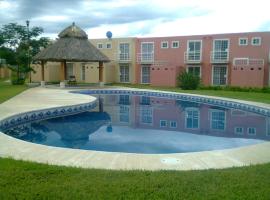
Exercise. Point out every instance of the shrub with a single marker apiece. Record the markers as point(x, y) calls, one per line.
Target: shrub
point(188, 81)
point(15, 80)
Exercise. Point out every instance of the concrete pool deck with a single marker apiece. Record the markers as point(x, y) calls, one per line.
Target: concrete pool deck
point(41, 98)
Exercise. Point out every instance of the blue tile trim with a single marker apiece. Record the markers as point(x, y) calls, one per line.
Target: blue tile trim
point(45, 114)
point(198, 99)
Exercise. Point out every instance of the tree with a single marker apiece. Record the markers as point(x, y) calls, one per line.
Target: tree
point(18, 45)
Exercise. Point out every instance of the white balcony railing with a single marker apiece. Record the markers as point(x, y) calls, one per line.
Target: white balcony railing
point(123, 57)
point(219, 57)
point(192, 57)
point(145, 57)
point(248, 62)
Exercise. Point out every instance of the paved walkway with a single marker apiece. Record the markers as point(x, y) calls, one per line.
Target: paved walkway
point(40, 98)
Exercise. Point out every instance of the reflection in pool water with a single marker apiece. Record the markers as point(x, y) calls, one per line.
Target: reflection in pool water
point(140, 124)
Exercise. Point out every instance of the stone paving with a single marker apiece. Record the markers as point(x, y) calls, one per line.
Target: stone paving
point(40, 98)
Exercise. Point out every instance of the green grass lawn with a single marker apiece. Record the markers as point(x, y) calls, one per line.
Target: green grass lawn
point(26, 180)
point(7, 90)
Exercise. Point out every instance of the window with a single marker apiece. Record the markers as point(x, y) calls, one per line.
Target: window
point(173, 124)
point(109, 45)
point(83, 72)
point(99, 45)
point(195, 70)
point(147, 49)
point(256, 41)
point(175, 44)
point(164, 45)
point(219, 75)
point(124, 73)
point(192, 118)
point(243, 41)
point(218, 120)
point(194, 50)
point(163, 123)
point(124, 100)
point(251, 131)
point(124, 114)
point(221, 50)
point(145, 100)
point(145, 70)
point(239, 130)
point(146, 114)
point(124, 51)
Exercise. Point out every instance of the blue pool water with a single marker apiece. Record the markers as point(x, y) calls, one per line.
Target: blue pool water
point(142, 124)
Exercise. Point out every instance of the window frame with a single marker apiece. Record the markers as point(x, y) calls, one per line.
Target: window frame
point(243, 38)
point(252, 134)
point(161, 121)
point(164, 42)
point(108, 43)
point(192, 109)
point(178, 44)
point(100, 44)
point(238, 133)
point(173, 122)
point(211, 120)
point(252, 41)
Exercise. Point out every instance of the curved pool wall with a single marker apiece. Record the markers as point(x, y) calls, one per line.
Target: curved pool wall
point(184, 97)
point(43, 114)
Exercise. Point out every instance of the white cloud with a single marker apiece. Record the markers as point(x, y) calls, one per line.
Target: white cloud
point(221, 17)
point(51, 18)
point(141, 17)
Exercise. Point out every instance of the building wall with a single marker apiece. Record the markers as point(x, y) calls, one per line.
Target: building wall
point(169, 62)
point(112, 69)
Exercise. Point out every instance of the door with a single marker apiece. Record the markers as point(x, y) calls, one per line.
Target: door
point(83, 72)
point(145, 70)
point(219, 75)
point(124, 73)
point(69, 70)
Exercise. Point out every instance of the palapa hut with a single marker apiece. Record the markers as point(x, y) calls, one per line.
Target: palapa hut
point(72, 46)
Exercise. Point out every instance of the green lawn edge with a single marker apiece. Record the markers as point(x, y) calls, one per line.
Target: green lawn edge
point(8, 91)
point(248, 96)
point(28, 180)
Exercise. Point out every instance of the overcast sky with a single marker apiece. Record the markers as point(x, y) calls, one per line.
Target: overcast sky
point(140, 17)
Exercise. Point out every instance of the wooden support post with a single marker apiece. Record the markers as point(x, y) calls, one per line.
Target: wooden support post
point(42, 71)
point(100, 64)
point(63, 71)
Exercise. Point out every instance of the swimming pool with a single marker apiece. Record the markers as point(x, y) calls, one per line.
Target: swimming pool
point(148, 123)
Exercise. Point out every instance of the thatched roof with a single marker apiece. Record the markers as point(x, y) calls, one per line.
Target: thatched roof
point(72, 45)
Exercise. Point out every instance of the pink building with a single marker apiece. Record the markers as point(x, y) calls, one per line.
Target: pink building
point(238, 59)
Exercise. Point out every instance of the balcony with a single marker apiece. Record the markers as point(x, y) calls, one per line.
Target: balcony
point(123, 58)
point(219, 57)
point(145, 58)
point(192, 57)
point(248, 62)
